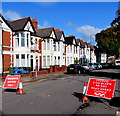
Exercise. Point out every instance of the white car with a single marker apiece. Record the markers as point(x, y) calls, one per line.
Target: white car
point(117, 62)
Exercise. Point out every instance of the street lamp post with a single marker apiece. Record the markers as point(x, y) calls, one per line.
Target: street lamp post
point(36, 54)
point(90, 45)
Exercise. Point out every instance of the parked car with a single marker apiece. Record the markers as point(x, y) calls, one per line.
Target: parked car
point(99, 65)
point(75, 68)
point(87, 67)
point(107, 65)
point(117, 62)
point(94, 65)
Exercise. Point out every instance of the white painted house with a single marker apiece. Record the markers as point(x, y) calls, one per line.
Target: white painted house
point(83, 47)
point(70, 42)
point(48, 37)
point(59, 58)
point(76, 49)
point(22, 44)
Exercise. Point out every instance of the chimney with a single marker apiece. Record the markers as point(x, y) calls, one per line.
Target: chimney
point(35, 23)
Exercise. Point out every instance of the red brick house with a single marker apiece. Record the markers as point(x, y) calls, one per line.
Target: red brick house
point(19, 46)
point(6, 48)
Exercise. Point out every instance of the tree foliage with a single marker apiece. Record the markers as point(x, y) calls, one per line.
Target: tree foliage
point(108, 40)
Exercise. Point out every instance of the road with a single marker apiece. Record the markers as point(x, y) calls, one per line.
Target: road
point(54, 96)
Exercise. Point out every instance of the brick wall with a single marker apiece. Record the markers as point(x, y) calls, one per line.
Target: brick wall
point(6, 40)
point(6, 47)
point(6, 62)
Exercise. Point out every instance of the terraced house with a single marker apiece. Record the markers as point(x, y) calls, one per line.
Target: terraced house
point(1, 48)
point(23, 44)
point(5, 46)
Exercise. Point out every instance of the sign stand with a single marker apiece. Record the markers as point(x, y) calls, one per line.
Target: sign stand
point(101, 88)
point(11, 82)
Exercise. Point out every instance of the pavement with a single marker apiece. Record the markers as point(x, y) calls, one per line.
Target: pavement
point(109, 72)
point(41, 77)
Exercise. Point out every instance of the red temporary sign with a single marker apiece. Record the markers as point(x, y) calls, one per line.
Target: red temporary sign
point(11, 81)
point(101, 88)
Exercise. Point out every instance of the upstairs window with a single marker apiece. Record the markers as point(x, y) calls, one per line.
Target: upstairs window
point(76, 50)
point(70, 48)
point(22, 40)
point(58, 46)
point(48, 44)
point(17, 40)
point(27, 39)
point(36, 44)
point(44, 45)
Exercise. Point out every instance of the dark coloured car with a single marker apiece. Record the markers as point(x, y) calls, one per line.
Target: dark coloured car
point(107, 65)
point(75, 68)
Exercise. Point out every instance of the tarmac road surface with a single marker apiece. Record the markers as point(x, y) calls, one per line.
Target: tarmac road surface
point(54, 96)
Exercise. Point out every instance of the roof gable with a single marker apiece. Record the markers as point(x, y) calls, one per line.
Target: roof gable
point(29, 27)
point(60, 34)
point(5, 25)
point(45, 32)
point(20, 24)
point(77, 42)
point(69, 39)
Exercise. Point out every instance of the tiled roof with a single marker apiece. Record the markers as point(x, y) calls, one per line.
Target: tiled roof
point(45, 32)
point(19, 24)
point(69, 39)
point(82, 43)
point(59, 34)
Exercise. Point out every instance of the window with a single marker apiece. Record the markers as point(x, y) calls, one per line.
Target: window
point(28, 60)
point(68, 60)
point(17, 60)
point(27, 39)
point(48, 60)
point(17, 40)
point(22, 60)
point(44, 45)
point(68, 49)
point(54, 46)
point(44, 61)
point(83, 51)
point(36, 45)
point(32, 41)
point(55, 62)
point(22, 39)
point(58, 46)
point(48, 44)
point(58, 60)
point(76, 50)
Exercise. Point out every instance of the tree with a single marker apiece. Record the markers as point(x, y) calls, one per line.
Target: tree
point(108, 40)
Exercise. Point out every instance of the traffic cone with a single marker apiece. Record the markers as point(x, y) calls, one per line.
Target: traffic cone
point(20, 89)
point(84, 97)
